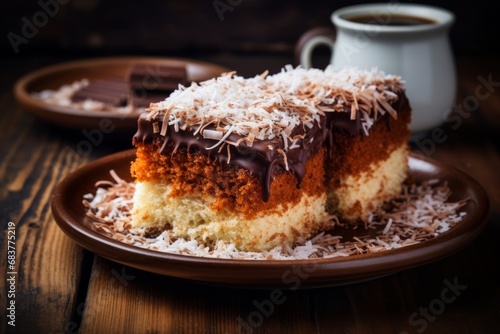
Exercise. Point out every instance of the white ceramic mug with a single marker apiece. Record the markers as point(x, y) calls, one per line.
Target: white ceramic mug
point(368, 35)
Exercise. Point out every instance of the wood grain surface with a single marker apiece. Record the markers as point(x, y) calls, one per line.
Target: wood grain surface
point(62, 288)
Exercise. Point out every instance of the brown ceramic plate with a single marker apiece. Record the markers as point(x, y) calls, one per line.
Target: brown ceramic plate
point(53, 77)
point(69, 213)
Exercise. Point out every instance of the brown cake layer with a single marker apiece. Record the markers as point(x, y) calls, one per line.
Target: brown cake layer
point(235, 188)
point(360, 158)
point(350, 153)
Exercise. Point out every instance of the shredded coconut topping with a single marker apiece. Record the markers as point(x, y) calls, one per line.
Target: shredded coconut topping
point(421, 212)
point(265, 107)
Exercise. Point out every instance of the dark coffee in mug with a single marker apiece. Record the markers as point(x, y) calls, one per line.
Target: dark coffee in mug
point(391, 20)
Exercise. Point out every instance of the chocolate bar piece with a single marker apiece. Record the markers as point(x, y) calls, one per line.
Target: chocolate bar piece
point(144, 84)
point(154, 77)
point(112, 90)
point(153, 82)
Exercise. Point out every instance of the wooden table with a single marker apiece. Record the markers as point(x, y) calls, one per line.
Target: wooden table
point(60, 287)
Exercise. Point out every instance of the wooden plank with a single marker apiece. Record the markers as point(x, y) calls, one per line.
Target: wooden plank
point(123, 299)
point(47, 268)
point(374, 306)
point(480, 78)
point(53, 272)
point(416, 300)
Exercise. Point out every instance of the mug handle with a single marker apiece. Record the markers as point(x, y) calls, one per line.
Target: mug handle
point(309, 41)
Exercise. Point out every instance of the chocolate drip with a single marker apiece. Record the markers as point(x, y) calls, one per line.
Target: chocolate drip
point(341, 121)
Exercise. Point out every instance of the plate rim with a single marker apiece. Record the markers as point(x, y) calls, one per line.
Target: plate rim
point(345, 269)
point(23, 97)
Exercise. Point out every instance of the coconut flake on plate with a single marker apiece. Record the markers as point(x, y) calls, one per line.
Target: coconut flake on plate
point(421, 212)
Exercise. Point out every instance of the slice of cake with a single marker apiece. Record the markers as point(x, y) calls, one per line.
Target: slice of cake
point(367, 148)
point(264, 161)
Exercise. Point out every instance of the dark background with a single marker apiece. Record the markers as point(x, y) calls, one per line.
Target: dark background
point(183, 27)
point(180, 28)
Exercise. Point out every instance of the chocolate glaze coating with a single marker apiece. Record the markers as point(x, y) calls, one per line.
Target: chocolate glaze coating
point(258, 159)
